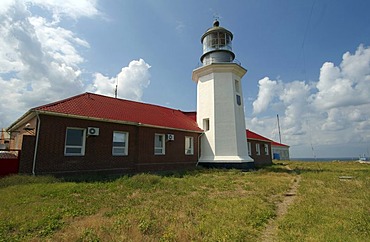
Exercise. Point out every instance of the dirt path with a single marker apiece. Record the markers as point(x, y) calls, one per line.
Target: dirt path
point(270, 232)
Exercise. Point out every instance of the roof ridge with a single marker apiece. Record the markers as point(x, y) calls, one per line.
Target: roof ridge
point(133, 101)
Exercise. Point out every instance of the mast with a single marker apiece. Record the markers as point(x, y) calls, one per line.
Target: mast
point(278, 127)
point(116, 89)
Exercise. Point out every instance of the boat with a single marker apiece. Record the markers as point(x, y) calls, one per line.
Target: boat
point(363, 159)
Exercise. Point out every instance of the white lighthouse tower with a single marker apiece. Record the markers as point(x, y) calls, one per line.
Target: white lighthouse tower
point(220, 107)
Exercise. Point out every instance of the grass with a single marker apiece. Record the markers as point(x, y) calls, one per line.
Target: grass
point(200, 205)
point(333, 203)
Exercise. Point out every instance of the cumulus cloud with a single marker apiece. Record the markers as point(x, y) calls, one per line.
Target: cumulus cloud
point(131, 81)
point(333, 110)
point(268, 89)
point(40, 58)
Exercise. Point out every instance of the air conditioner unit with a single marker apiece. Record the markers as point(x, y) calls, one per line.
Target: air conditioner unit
point(170, 137)
point(92, 131)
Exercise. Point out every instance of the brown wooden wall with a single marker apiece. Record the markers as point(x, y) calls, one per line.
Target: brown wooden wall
point(98, 156)
point(262, 159)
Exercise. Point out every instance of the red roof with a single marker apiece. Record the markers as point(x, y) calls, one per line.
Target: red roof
point(253, 135)
point(278, 144)
point(107, 108)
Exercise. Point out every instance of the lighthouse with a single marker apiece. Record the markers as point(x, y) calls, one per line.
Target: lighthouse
point(220, 107)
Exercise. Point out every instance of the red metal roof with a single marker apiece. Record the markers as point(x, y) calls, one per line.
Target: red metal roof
point(114, 109)
point(278, 144)
point(253, 135)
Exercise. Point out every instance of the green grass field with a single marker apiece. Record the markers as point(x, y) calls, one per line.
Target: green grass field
point(200, 205)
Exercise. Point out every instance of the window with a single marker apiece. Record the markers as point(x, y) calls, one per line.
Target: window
point(206, 124)
point(75, 142)
point(159, 144)
point(266, 149)
point(238, 100)
point(237, 86)
point(249, 148)
point(189, 145)
point(237, 91)
point(120, 143)
point(258, 151)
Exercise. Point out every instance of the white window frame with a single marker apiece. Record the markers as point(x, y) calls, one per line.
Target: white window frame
point(124, 147)
point(82, 147)
point(258, 149)
point(161, 149)
point(189, 145)
point(266, 146)
point(249, 148)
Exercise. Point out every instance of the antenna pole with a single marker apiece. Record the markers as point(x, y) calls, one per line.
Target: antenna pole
point(116, 89)
point(278, 127)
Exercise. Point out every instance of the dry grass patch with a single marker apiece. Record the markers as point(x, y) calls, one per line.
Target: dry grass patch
point(200, 205)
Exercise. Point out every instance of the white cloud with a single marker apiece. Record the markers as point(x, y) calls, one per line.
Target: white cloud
point(268, 89)
point(333, 110)
point(68, 8)
point(40, 60)
point(131, 81)
point(180, 26)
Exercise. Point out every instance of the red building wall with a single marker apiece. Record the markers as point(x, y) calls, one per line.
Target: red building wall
point(98, 156)
point(261, 159)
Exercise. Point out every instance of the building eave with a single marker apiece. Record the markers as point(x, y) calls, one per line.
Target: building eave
point(218, 68)
point(22, 120)
point(267, 141)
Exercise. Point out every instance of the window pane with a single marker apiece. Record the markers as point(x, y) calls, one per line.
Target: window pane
point(73, 150)
point(238, 100)
point(158, 141)
point(159, 144)
point(118, 151)
point(206, 124)
point(189, 145)
point(158, 151)
point(119, 144)
point(74, 137)
point(119, 137)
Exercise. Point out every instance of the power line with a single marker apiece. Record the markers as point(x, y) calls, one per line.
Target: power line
point(304, 39)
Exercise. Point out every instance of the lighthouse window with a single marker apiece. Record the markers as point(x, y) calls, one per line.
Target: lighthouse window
point(214, 40)
point(222, 39)
point(206, 124)
point(238, 100)
point(237, 86)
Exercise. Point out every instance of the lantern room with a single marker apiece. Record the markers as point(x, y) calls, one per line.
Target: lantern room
point(217, 45)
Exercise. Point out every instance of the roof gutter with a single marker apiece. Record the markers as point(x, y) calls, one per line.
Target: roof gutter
point(28, 115)
point(36, 144)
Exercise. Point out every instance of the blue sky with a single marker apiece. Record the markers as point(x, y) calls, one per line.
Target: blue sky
point(308, 61)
